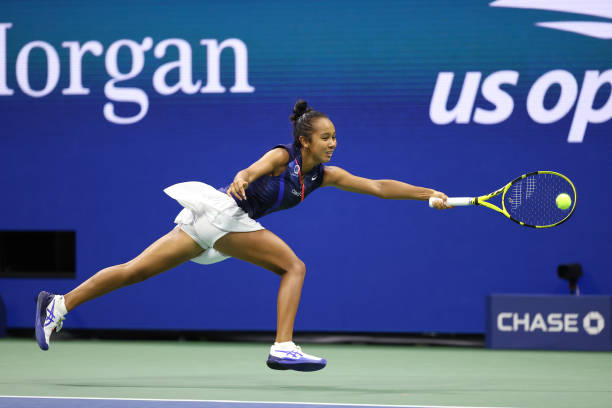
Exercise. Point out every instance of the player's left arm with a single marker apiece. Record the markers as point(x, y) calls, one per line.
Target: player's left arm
point(387, 189)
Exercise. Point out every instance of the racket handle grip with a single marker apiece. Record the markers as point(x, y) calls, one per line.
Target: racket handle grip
point(454, 201)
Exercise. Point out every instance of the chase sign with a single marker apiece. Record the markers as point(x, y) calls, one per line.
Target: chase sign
point(549, 322)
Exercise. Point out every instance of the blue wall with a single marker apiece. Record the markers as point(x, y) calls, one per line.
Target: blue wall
point(373, 265)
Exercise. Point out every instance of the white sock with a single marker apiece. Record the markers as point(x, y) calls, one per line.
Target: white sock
point(285, 345)
point(60, 305)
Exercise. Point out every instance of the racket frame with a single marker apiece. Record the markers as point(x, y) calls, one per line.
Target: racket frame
point(483, 200)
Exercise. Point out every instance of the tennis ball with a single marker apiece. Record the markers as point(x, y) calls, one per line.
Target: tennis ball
point(563, 201)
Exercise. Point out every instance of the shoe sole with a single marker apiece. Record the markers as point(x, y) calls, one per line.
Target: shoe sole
point(41, 310)
point(304, 367)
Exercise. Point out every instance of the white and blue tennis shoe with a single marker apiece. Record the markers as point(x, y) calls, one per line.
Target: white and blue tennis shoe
point(50, 312)
point(288, 356)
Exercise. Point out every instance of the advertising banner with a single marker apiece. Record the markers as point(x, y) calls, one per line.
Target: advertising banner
point(103, 104)
point(549, 322)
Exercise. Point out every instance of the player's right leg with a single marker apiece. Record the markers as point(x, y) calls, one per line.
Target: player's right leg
point(265, 249)
point(169, 251)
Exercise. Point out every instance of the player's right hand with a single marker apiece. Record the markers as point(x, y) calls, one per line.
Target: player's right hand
point(440, 204)
point(237, 188)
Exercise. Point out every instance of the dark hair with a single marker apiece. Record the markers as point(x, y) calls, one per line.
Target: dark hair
point(302, 118)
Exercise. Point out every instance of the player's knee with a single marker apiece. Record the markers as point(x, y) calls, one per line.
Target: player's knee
point(297, 268)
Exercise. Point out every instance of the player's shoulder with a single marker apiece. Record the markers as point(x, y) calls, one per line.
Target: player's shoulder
point(279, 154)
point(331, 175)
point(335, 170)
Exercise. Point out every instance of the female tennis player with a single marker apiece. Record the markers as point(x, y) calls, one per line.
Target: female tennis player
point(217, 224)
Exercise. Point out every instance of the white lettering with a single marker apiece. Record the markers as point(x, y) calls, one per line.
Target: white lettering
point(585, 113)
point(4, 90)
point(500, 322)
point(76, 64)
point(183, 65)
point(134, 95)
point(538, 323)
point(462, 111)
point(115, 93)
point(492, 92)
point(571, 322)
point(53, 68)
point(555, 324)
point(503, 102)
point(535, 99)
point(520, 322)
point(213, 66)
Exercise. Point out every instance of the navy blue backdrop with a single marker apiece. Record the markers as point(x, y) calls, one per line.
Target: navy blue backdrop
point(105, 103)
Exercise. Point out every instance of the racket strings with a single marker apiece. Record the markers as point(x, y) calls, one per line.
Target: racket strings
point(516, 196)
point(532, 200)
point(531, 186)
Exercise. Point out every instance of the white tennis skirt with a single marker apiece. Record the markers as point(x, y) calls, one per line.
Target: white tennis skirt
point(209, 214)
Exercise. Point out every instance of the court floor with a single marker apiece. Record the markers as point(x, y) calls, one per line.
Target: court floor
point(156, 374)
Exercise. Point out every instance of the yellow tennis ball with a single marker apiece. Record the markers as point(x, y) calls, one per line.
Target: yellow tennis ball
point(563, 201)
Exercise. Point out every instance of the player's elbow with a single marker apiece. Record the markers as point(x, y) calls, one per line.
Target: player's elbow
point(379, 189)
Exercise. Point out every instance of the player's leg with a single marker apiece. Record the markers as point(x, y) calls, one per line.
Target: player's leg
point(169, 251)
point(267, 250)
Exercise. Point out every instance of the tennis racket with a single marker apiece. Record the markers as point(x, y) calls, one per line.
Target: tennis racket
point(529, 200)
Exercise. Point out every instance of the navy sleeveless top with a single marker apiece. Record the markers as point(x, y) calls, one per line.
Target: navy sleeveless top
point(268, 193)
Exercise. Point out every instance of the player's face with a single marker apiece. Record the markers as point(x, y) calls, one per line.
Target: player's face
point(323, 140)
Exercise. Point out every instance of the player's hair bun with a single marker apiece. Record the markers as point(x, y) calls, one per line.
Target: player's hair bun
point(302, 118)
point(301, 107)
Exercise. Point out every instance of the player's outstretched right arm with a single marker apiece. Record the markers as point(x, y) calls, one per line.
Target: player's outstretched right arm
point(267, 164)
point(387, 189)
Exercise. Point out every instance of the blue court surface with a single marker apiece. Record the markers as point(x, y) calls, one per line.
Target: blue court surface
point(61, 402)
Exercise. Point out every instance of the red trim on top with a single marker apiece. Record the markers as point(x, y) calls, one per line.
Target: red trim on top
point(301, 180)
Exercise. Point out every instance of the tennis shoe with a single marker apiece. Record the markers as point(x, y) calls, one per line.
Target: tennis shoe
point(50, 315)
point(288, 356)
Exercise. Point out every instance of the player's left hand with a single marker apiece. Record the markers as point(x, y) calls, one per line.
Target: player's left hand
point(440, 205)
